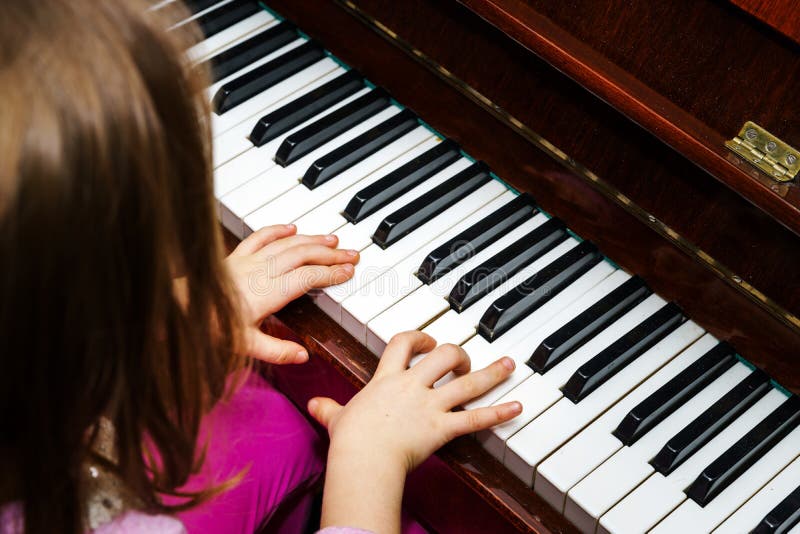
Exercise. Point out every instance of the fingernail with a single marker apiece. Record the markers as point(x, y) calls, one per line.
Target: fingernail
point(508, 363)
point(352, 253)
point(349, 267)
point(330, 238)
point(515, 407)
point(290, 227)
point(312, 405)
point(302, 355)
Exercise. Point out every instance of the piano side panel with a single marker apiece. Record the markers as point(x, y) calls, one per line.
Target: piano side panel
point(708, 299)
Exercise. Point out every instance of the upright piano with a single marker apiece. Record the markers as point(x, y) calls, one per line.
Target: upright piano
point(606, 191)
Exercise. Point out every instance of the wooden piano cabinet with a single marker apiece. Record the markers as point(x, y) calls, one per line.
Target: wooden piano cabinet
point(670, 168)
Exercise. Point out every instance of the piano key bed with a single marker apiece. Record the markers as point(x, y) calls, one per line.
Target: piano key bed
point(634, 418)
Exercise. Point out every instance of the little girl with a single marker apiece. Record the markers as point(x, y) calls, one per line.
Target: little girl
point(126, 400)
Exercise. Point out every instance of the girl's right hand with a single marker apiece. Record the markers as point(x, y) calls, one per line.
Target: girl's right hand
point(396, 422)
point(272, 267)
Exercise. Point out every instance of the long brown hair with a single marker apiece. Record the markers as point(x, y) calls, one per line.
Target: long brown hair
point(105, 198)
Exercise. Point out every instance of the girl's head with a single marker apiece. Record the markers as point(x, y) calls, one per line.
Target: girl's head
point(105, 199)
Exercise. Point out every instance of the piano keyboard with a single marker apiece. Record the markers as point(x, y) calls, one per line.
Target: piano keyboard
point(635, 419)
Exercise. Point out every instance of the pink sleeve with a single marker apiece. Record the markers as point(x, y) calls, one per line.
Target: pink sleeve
point(138, 523)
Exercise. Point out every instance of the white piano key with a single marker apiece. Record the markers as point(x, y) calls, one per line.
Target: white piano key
point(457, 328)
point(212, 90)
point(327, 217)
point(234, 141)
point(359, 236)
point(538, 392)
point(427, 302)
point(264, 188)
point(256, 160)
point(230, 37)
point(539, 438)
point(375, 261)
point(586, 451)
point(754, 510)
point(657, 496)
point(482, 358)
point(690, 516)
point(253, 107)
point(194, 15)
point(616, 477)
point(397, 282)
point(300, 200)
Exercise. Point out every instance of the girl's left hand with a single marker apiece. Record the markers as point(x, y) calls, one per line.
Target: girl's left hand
point(272, 267)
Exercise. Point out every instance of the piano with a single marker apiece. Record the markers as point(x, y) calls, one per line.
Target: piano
point(604, 191)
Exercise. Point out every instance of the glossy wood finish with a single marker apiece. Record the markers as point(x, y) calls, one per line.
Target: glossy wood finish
point(783, 15)
point(463, 478)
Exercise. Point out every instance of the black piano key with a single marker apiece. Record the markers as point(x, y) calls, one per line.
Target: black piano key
point(331, 125)
point(672, 395)
point(745, 452)
point(226, 16)
point(400, 181)
point(573, 335)
point(427, 206)
point(359, 148)
point(237, 57)
point(299, 110)
point(537, 290)
point(783, 517)
point(711, 422)
point(196, 6)
point(459, 249)
point(265, 76)
point(620, 353)
point(484, 278)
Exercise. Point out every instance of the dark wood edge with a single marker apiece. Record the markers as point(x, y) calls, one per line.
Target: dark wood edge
point(658, 115)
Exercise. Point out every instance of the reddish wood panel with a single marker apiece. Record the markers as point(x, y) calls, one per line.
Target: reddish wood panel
point(783, 15)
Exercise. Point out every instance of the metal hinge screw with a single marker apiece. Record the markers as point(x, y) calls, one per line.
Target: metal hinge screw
point(771, 146)
point(751, 134)
point(791, 159)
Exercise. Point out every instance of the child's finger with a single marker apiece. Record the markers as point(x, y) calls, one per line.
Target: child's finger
point(281, 245)
point(469, 421)
point(263, 237)
point(401, 348)
point(299, 281)
point(323, 410)
point(311, 254)
point(440, 361)
point(273, 350)
point(467, 387)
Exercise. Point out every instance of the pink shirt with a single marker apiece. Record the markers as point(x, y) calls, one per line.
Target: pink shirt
point(132, 523)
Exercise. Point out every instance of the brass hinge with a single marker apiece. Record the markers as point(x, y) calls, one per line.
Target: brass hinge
point(771, 155)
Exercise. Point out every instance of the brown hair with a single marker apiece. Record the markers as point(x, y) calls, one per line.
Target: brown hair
point(105, 197)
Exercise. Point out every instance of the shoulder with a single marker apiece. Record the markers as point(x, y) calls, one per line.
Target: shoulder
point(133, 522)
